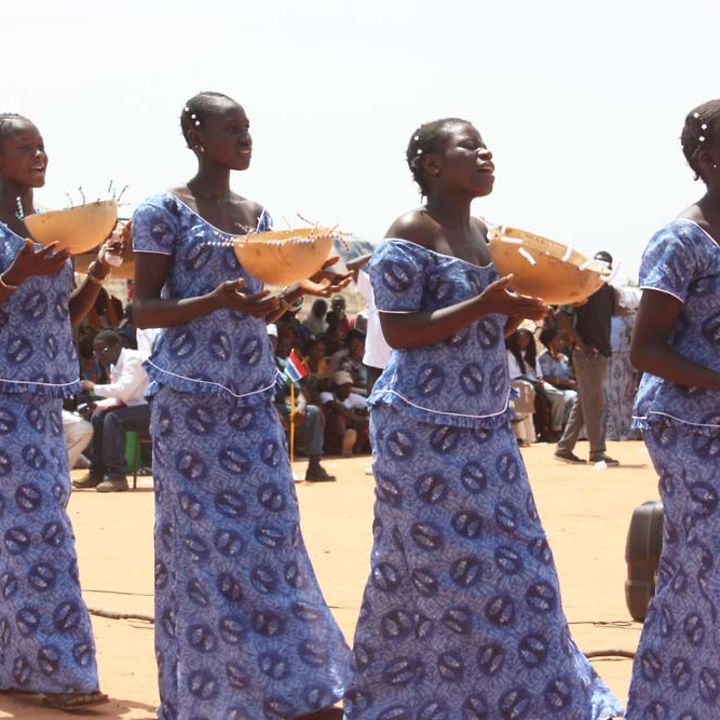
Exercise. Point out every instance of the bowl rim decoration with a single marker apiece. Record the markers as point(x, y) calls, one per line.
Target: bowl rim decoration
point(37, 226)
point(283, 257)
point(557, 273)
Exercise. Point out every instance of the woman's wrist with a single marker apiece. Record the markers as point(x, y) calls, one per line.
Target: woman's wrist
point(6, 283)
point(98, 272)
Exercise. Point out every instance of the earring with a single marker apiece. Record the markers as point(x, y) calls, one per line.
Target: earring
point(200, 148)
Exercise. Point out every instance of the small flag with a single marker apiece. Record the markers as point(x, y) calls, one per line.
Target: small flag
point(295, 368)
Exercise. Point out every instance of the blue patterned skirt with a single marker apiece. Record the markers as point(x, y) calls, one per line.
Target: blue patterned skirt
point(46, 640)
point(242, 630)
point(461, 618)
point(676, 674)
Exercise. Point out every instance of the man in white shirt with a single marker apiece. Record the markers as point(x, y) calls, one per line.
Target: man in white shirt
point(347, 416)
point(377, 351)
point(123, 409)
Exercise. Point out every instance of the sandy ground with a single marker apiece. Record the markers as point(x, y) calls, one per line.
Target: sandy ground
point(586, 513)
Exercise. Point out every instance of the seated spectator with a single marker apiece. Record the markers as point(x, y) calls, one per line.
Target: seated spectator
point(554, 363)
point(350, 359)
point(318, 365)
point(361, 322)
point(289, 321)
point(308, 417)
point(338, 324)
point(316, 321)
point(347, 427)
point(550, 402)
point(123, 409)
point(78, 434)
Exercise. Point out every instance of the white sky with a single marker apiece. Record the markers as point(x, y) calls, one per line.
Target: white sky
point(581, 103)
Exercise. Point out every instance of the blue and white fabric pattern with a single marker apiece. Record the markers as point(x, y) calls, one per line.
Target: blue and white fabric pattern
point(461, 381)
point(46, 640)
point(682, 260)
point(461, 617)
point(676, 673)
point(242, 632)
point(204, 355)
point(37, 354)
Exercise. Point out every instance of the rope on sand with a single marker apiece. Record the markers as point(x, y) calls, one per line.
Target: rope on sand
point(609, 653)
point(121, 616)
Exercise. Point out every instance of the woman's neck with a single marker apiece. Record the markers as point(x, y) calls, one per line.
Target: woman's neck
point(211, 182)
point(15, 200)
point(450, 210)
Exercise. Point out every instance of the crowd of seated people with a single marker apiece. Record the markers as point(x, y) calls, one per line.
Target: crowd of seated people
point(545, 381)
point(331, 413)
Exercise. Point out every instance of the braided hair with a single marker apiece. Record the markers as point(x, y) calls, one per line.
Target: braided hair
point(702, 127)
point(6, 124)
point(196, 110)
point(427, 139)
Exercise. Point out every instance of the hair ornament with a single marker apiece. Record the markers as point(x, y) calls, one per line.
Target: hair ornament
point(419, 151)
point(701, 138)
point(416, 138)
point(703, 126)
point(193, 116)
point(187, 109)
point(197, 123)
point(696, 115)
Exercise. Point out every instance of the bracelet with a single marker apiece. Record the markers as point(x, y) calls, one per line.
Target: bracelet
point(7, 286)
point(93, 277)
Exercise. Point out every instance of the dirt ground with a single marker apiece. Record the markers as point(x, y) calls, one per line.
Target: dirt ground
point(586, 513)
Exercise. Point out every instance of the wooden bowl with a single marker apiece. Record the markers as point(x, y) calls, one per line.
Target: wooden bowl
point(545, 268)
point(77, 229)
point(285, 256)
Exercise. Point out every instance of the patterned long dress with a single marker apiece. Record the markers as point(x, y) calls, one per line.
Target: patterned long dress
point(46, 640)
point(676, 673)
point(242, 631)
point(461, 617)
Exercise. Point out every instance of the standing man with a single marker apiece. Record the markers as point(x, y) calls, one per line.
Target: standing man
point(124, 409)
point(588, 327)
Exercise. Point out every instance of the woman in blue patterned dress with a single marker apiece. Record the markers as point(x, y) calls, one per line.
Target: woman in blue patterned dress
point(46, 640)
point(242, 630)
point(461, 618)
point(676, 343)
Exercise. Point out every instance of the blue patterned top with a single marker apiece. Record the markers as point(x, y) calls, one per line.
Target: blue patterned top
point(226, 351)
point(684, 261)
point(462, 380)
point(37, 354)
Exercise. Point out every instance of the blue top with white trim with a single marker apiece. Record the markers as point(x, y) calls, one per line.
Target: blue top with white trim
point(225, 352)
point(37, 354)
point(462, 380)
point(682, 260)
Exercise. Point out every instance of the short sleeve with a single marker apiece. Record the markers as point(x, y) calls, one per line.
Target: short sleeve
point(397, 274)
point(673, 259)
point(154, 229)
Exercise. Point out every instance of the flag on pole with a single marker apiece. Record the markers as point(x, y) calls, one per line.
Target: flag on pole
point(295, 368)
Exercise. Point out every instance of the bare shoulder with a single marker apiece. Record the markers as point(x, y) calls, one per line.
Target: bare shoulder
point(415, 226)
point(248, 207)
point(481, 226)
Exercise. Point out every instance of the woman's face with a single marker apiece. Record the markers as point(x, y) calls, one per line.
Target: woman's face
point(23, 159)
point(524, 341)
point(225, 135)
point(466, 164)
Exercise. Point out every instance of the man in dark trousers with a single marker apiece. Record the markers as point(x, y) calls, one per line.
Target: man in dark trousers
point(588, 327)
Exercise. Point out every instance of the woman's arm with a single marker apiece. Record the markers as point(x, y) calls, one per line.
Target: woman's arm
point(415, 329)
point(28, 263)
point(650, 351)
point(152, 311)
